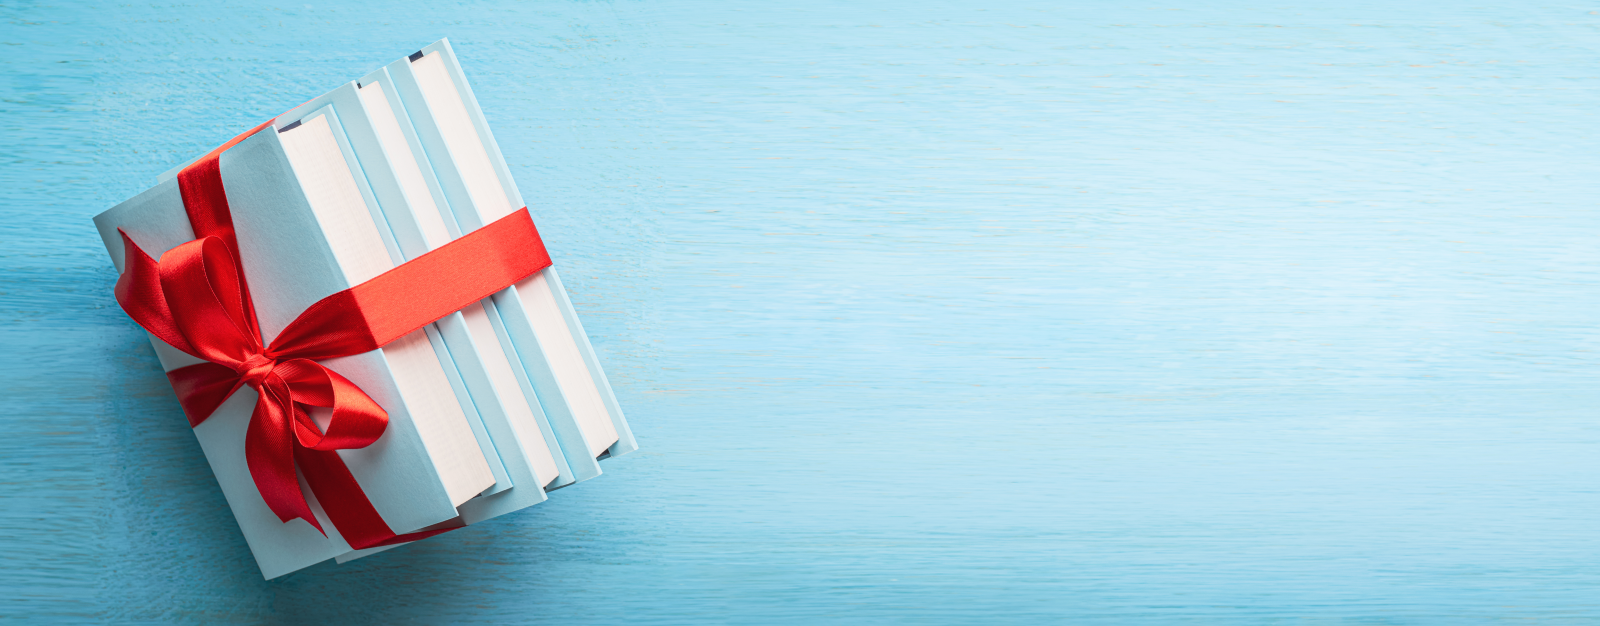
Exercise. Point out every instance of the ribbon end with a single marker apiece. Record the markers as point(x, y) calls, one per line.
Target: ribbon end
point(314, 524)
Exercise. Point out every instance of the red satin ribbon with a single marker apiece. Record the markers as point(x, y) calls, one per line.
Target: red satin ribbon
point(196, 300)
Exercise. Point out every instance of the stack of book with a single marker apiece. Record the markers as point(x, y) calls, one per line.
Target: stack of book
point(491, 407)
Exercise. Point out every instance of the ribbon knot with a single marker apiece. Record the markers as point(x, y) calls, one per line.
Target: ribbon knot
point(254, 370)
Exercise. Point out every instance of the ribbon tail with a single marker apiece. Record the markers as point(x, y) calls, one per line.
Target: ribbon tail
point(356, 422)
point(202, 388)
point(269, 451)
point(347, 506)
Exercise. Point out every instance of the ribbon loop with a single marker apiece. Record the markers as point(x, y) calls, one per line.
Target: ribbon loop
point(203, 293)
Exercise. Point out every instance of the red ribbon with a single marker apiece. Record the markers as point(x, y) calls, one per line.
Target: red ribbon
point(196, 300)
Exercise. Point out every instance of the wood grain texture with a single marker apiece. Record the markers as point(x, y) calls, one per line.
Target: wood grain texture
point(932, 312)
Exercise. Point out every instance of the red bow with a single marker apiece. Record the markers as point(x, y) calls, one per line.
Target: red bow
point(196, 300)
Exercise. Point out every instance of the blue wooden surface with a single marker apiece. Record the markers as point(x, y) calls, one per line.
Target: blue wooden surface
point(924, 312)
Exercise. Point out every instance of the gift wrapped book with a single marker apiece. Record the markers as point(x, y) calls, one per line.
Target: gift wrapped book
point(362, 324)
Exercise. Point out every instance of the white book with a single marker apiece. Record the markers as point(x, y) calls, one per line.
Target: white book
point(329, 183)
point(464, 358)
point(535, 313)
point(520, 437)
point(296, 209)
point(416, 203)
